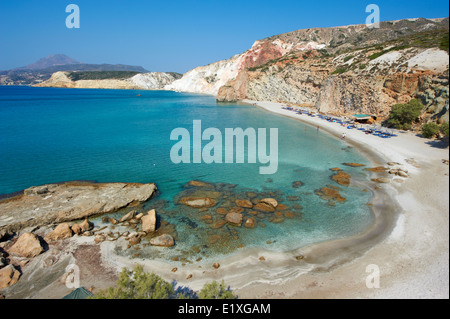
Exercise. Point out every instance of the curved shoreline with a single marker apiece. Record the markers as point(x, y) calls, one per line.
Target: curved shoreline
point(278, 267)
point(421, 210)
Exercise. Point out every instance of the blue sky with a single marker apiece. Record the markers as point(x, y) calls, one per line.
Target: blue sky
point(174, 35)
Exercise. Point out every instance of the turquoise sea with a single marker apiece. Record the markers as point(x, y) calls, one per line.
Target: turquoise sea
point(50, 135)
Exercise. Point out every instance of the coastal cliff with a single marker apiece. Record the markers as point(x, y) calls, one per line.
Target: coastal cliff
point(116, 80)
point(341, 70)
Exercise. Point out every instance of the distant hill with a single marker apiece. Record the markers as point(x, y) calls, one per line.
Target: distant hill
point(51, 61)
point(42, 69)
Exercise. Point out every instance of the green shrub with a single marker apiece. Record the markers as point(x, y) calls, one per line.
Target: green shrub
point(137, 284)
point(340, 70)
point(376, 55)
point(430, 130)
point(444, 129)
point(215, 290)
point(348, 58)
point(100, 75)
point(403, 115)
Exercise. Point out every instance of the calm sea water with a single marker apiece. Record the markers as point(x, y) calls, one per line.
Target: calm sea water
point(51, 135)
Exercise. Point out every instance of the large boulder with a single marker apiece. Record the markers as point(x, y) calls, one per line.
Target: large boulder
point(164, 241)
point(61, 231)
point(28, 245)
point(8, 276)
point(149, 222)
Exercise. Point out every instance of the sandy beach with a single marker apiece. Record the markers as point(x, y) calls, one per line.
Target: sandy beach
point(413, 258)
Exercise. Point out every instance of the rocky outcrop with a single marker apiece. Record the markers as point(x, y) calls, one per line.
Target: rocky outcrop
point(58, 203)
point(341, 70)
point(142, 81)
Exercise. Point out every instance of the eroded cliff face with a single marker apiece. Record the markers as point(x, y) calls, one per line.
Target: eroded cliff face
point(342, 70)
point(209, 79)
point(142, 81)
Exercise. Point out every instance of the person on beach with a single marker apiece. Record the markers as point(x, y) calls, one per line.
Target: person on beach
point(343, 136)
point(317, 128)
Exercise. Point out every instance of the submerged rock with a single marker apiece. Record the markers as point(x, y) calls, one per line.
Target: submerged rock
point(327, 193)
point(297, 184)
point(200, 184)
point(164, 240)
point(353, 164)
point(198, 202)
point(263, 207)
point(381, 180)
point(341, 178)
point(244, 203)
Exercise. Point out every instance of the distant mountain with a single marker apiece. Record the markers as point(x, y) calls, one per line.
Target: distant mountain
point(42, 69)
point(51, 61)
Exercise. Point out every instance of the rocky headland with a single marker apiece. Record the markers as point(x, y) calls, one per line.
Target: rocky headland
point(140, 81)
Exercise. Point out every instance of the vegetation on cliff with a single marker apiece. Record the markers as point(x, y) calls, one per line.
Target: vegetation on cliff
point(402, 116)
point(101, 75)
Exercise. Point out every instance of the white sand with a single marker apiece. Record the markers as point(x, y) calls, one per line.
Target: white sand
point(413, 258)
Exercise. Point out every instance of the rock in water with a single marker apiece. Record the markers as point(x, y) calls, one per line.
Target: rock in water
point(164, 241)
point(250, 222)
point(149, 222)
point(62, 231)
point(234, 218)
point(244, 203)
point(198, 202)
point(28, 245)
point(341, 178)
point(263, 207)
point(270, 201)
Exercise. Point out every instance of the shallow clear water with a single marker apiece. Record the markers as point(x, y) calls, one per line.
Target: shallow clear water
point(51, 135)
